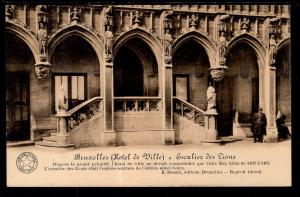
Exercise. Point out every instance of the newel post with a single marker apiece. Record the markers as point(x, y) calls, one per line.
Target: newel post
point(62, 136)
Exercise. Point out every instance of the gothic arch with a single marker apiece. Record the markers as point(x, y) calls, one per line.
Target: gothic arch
point(78, 30)
point(283, 43)
point(25, 36)
point(145, 36)
point(257, 45)
point(201, 39)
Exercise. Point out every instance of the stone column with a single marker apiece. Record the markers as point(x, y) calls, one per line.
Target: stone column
point(270, 105)
point(109, 137)
point(270, 85)
point(168, 101)
point(167, 97)
point(109, 96)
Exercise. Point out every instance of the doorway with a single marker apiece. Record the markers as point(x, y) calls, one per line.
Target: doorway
point(224, 90)
point(181, 86)
point(17, 106)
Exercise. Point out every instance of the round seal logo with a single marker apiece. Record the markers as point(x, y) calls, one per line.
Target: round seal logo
point(27, 162)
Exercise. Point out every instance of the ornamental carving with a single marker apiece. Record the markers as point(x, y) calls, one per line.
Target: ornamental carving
point(193, 22)
point(75, 15)
point(42, 70)
point(225, 25)
point(137, 19)
point(245, 25)
point(224, 32)
point(42, 34)
point(274, 33)
point(9, 11)
point(167, 19)
point(108, 16)
point(218, 73)
point(108, 35)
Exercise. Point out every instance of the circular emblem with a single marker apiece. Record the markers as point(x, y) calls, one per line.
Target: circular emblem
point(27, 162)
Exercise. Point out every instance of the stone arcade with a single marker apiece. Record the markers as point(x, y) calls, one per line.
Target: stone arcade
point(144, 74)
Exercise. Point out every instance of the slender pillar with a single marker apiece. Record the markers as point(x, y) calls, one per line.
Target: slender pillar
point(109, 126)
point(168, 97)
point(270, 105)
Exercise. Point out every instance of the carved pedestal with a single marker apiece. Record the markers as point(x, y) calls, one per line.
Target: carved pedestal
point(211, 126)
point(62, 136)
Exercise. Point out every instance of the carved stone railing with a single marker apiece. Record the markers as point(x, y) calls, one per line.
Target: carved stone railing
point(73, 118)
point(189, 111)
point(137, 104)
point(85, 111)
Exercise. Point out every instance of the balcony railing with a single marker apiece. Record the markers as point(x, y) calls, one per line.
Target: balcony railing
point(137, 104)
point(189, 111)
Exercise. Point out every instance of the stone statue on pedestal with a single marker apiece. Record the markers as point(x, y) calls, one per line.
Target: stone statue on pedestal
point(211, 97)
point(168, 43)
point(61, 99)
point(108, 39)
point(272, 49)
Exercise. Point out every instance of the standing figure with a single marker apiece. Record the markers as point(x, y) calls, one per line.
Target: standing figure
point(223, 47)
point(168, 43)
point(283, 131)
point(108, 41)
point(259, 125)
point(273, 49)
point(61, 99)
point(211, 97)
point(42, 37)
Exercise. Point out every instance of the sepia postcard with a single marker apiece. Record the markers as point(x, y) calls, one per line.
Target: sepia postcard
point(148, 95)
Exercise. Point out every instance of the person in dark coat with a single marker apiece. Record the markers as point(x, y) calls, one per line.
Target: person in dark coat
point(283, 131)
point(259, 125)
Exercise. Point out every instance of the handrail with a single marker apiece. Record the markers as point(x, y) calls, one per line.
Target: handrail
point(76, 108)
point(190, 105)
point(136, 98)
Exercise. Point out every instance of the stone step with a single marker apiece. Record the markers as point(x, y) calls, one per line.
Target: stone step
point(53, 133)
point(53, 145)
point(50, 138)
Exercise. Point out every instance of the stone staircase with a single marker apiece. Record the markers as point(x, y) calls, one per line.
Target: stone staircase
point(50, 141)
point(74, 126)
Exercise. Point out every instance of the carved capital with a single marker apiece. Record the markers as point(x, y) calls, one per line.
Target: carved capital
point(42, 70)
point(218, 73)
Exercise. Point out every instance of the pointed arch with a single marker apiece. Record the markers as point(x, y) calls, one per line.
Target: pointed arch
point(81, 31)
point(25, 36)
point(284, 43)
point(256, 44)
point(154, 44)
point(208, 45)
